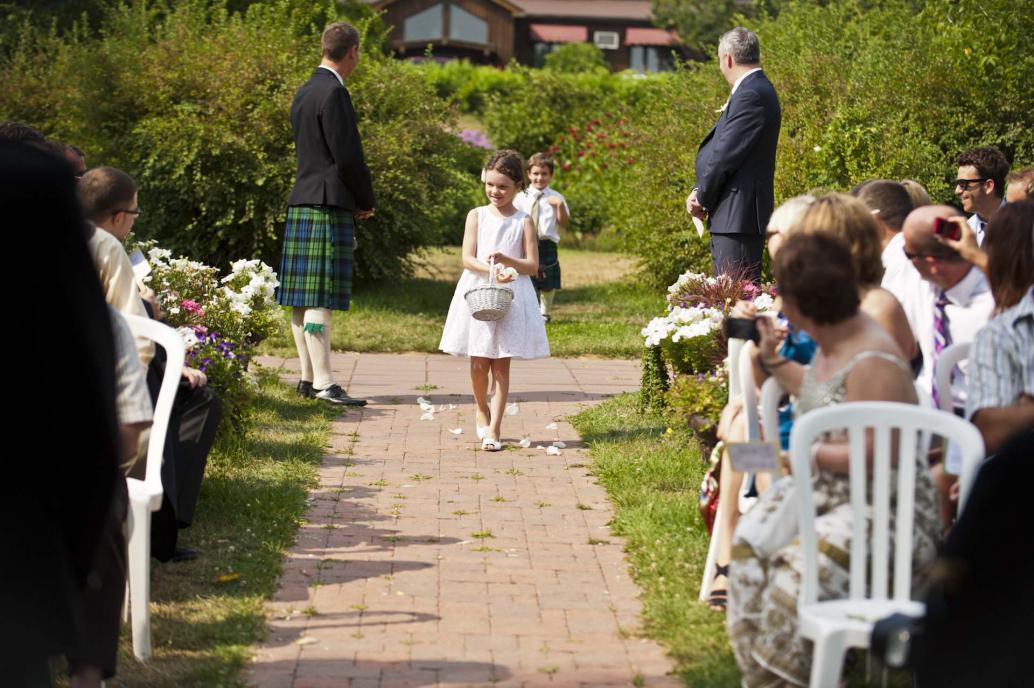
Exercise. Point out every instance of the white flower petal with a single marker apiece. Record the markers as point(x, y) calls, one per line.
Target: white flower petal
point(456, 431)
point(427, 416)
point(552, 426)
point(512, 409)
point(559, 444)
point(422, 401)
point(306, 640)
point(525, 442)
point(553, 451)
point(427, 407)
point(441, 407)
point(452, 406)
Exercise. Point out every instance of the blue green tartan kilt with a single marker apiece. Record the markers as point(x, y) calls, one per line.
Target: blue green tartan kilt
point(316, 265)
point(548, 276)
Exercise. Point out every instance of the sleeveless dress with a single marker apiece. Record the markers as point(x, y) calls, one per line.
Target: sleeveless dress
point(765, 576)
point(521, 333)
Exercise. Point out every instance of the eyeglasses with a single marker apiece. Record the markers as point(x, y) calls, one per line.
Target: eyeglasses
point(964, 183)
point(913, 256)
point(131, 211)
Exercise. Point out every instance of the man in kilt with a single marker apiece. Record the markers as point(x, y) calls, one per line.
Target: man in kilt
point(332, 188)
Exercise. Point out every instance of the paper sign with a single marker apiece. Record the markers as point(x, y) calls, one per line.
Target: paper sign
point(752, 457)
point(699, 224)
point(141, 268)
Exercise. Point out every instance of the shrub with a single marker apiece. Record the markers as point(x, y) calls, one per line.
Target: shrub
point(469, 86)
point(576, 58)
point(193, 101)
point(699, 399)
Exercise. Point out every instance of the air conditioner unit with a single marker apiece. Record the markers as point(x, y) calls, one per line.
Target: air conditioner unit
point(606, 40)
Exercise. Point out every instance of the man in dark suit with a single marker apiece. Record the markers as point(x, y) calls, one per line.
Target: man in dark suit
point(332, 188)
point(735, 166)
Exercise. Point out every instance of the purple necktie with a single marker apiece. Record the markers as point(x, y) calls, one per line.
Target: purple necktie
point(941, 338)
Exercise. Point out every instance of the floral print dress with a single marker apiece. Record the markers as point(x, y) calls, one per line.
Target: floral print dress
point(764, 582)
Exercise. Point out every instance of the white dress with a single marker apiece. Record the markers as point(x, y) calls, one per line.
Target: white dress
point(521, 333)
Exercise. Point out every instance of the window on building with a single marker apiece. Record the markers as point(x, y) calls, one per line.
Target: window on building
point(425, 25)
point(464, 26)
point(539, 52)
point(649, 58)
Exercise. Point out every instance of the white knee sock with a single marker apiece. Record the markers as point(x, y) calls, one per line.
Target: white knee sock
point(317, 339)
point(298, 331)
point(546, 301)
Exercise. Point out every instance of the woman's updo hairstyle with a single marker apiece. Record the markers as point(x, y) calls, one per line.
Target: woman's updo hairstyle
point(817, 273)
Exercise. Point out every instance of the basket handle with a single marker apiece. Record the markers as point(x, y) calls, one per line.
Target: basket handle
point(491, 271)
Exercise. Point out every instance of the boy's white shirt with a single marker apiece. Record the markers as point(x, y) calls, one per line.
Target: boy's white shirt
point(548, 228)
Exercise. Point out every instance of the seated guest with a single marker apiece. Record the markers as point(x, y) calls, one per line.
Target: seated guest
point(917, 192)
point(851, 220)
point(1001, 371)
point(980, 185)
point(890, 204)
point(951, 303)
point(857, 360)
point(1019, 186)
point(109, 199)
point(796, 346)
point(58, 498)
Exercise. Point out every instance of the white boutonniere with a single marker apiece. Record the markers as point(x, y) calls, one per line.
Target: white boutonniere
point(722, 108)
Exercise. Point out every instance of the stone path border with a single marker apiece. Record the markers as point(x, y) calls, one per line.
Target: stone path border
point(425, 561)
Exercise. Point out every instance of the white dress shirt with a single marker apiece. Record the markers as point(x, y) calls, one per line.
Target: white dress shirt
point(978, 224)
point(547, 221)
point(336, 75)
point(969, 308)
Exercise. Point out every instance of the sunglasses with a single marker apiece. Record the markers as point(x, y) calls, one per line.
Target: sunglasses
point(965, 183)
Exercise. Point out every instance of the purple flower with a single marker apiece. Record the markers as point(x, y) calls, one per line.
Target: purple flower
point(476, 137)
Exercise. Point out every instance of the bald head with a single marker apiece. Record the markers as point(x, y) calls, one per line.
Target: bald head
point(918, 229)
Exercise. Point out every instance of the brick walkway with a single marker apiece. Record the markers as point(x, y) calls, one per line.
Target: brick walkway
point(428, 562)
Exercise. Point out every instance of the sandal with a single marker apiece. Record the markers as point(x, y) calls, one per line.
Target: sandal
point(490, 445)
point(718, 600)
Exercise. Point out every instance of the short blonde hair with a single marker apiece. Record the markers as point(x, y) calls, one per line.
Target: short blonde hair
point(917, 192)
point(786, 216)
point(851, 220)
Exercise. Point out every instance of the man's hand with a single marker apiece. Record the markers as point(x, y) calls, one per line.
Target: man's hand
point(693, 206)
point(148, 295)
point(194, 377)
point(363, 214)
point(966, 245)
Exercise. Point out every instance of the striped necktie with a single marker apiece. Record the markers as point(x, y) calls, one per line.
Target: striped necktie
point(941, 338)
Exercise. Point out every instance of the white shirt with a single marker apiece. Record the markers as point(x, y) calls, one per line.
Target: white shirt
point(336, 75)
point(739, 81)
point(978, 225)
point(547, 224)
point(969, 308)
point(898, 271)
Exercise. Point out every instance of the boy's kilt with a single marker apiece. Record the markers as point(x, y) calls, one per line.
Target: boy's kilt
point(316, 266)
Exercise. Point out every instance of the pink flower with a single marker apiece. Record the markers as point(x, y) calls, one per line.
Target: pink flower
point(192, 306)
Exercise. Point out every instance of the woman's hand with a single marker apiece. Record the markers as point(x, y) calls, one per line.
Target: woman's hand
point(768, 338)
point(744, 309)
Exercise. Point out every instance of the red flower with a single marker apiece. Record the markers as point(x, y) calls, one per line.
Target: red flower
point(630, 161)
point(565, 166)
point(581, 154)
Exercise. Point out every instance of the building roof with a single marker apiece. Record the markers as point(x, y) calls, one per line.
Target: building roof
point(578, 9)
point(586, 9)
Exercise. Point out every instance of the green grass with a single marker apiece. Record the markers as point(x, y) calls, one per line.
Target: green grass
point(598, 313)
point(251, 503)
point(652, 478)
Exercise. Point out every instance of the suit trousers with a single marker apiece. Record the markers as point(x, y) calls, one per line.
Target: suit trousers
point(737, 254)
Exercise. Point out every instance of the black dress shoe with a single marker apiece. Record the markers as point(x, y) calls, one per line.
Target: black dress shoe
point(184, 554)
point(304, 389)
point(335, 395)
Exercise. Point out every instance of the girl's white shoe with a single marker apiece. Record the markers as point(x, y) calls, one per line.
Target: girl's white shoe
point(490, 445)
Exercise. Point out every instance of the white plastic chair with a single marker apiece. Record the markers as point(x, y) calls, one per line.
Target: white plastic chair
point(744, 390)
point(145, 496)
point(836, 625)
point(948, 360)
point(771, 393)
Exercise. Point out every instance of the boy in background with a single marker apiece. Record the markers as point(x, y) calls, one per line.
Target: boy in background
point(549, 212)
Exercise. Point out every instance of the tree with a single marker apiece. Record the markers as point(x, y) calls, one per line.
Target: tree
point(574, 58)
point(699, 23)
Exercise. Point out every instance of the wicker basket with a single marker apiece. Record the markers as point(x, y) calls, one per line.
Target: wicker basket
point(491, 302)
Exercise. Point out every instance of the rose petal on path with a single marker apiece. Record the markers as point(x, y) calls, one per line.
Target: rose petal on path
point(427, 407)
point(559, 444)
point(552, 426)
point(422, 401)
point(525, 442)
point(452, 406)
point(512, 409)
point(553, 451)
point(427, 416)
point(307, 640)
point(456, 431)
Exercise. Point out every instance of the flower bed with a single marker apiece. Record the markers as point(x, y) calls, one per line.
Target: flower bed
point(221, 319)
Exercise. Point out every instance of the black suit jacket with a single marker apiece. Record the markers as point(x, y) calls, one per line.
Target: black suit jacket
point(735, 166)
point(332, 170)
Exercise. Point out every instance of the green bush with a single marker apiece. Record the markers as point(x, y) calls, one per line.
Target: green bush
point(698, 399)
point(193, 101)
point(576, 58)
point(468, 85)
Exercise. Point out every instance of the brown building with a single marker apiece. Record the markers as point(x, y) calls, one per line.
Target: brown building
point(496, 31)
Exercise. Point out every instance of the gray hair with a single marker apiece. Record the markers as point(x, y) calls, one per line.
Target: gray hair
point(742, 44)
